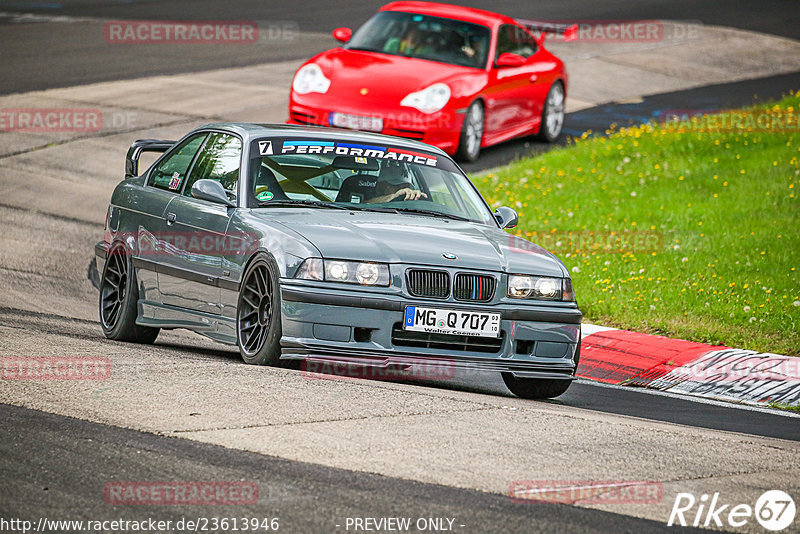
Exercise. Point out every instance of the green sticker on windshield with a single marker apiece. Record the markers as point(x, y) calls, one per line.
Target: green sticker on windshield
point(264, 195)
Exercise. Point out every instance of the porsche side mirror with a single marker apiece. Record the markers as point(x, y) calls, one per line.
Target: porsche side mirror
point(506, 217)
point(212, 191)
point(342, 34)
point(508, 59)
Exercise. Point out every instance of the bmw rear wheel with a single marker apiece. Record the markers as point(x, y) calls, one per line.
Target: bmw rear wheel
point(258, 314)
point(553, 114)
point(469, 145)
point(119, 298)
point(535, 388)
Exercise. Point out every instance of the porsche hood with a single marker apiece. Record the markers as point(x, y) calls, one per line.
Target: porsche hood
point(352, 72)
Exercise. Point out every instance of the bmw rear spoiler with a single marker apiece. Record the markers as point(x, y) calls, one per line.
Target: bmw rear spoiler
point(136, 149)
point(569, 31)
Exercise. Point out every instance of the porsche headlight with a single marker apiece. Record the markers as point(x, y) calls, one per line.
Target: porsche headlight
point(310, 79)
point(540, 288)
point(350, 272)
point(429, 100)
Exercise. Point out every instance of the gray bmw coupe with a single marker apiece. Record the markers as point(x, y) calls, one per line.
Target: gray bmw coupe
point(299, 243)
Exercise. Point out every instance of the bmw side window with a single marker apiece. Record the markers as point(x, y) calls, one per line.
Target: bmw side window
point(219, 160)
point(170, 174)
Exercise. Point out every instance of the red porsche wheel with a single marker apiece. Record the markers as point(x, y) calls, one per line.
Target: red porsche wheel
point(469, 146)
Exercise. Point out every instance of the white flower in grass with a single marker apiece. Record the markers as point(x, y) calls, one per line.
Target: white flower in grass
point(576, 269)
point(684, 260)
point(746, 309)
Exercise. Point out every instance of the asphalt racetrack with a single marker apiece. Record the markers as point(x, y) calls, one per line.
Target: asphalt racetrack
point(320, 451)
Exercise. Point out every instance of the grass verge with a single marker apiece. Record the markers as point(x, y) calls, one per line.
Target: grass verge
point(690, 229)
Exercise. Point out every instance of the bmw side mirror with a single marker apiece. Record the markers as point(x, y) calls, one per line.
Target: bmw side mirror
point(506, 217)
point(212, 191)
point(342, 34)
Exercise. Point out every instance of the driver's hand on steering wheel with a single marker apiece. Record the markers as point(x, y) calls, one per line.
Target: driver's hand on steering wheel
point(407, 193)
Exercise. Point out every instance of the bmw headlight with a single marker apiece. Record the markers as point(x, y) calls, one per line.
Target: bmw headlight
point(429, 100)
point(350, 272)
point(310, 79)
point(540, 288)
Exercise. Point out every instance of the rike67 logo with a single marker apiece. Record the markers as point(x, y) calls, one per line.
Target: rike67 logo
point(774, 510)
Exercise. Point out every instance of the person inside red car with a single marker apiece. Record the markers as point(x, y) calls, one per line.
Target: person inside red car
point(410, 45)
point(394, 184)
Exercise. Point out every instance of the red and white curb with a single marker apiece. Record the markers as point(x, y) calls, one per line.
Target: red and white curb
point(714, 372)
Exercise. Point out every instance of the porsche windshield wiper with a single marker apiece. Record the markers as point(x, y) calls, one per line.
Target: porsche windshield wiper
point(432, 213)
point(301, 203)
point(363, 49)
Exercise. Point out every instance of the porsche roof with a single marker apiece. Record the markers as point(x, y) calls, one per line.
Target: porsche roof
point(467, 14)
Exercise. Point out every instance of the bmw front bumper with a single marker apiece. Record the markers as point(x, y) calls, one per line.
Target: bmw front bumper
point(537, 340)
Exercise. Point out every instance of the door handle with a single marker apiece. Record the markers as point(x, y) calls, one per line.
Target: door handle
point(170, 219)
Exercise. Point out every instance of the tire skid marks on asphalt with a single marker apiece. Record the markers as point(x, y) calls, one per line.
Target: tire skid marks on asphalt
point(683, 367)
point(739, 375)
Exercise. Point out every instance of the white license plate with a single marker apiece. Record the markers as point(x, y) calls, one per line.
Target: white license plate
point(354, 122)
point(457, 322)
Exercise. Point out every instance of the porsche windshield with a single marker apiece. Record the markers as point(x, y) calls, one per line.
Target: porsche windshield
point(422, 36)
point(330, 174)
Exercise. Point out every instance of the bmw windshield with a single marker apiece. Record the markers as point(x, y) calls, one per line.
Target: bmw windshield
point(346, 175)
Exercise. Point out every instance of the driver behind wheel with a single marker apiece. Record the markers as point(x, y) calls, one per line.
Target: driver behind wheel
point(394, 184)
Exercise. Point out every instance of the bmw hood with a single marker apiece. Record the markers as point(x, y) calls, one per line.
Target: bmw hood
point(419, 240)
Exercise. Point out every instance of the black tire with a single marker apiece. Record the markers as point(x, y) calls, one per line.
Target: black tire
point(119, 298)
point(552, 114)
point(258, 314)
point(535, 388)
point(469, 144)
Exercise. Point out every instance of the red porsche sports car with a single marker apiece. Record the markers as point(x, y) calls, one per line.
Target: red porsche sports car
point(454, 77)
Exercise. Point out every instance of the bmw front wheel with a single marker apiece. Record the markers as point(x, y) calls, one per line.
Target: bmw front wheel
point(535, 388)
point(258, 314)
